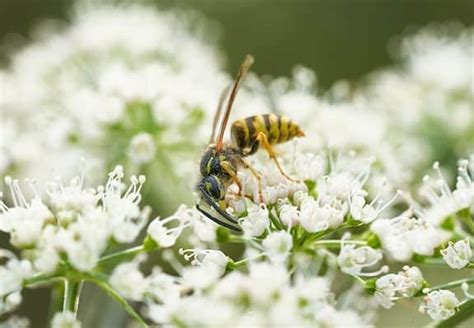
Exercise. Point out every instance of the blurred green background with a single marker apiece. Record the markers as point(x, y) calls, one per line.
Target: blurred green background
point(339, 39)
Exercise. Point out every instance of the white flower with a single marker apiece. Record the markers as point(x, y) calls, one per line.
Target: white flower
point(125, 218)
point(129, 281)
point(256, 221)
point(71, 200)
point(166, 231)
point(315, 218)
point(366, 213)
point(406, 283)
point(142, 148)
point(411, 281)
point(449, 55)
point(309, 166)
point(405, 235)
point(457, 255)
point(385, 289)
point(289, 215)
point(353, 260)
point(444, 202)
point(464, 193)
point(15, 321)
point(46, 257)
point(208, 266)
point(12, 273)
point(25, 220)
point(162, 287)
point(65, 320)
point(277, 246)
point(439, 304)
point(10, 302)
point(84, 240)
point(313, 291)
point(265, 281)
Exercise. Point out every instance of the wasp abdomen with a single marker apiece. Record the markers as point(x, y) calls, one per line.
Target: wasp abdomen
point(277, 128)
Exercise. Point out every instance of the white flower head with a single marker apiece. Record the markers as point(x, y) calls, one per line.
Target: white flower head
point(289, 215)
point(439, 304)
point(309, 166)
point(207, 266)
point(411, 281)
point(163, 288)
point(12, 273)
point(256, 221)
point(457, 255)
point(122, 206)
point(65, 320)
point(25, 220)
point(406, 284)
point(354, 260)
point(385, 289)
point(10, 302)
point(315, 218)
point(166, 231)
point(142, 148)
point(367, 213)
point(405, 235)
point(464, 193)
point(277, 246)
point(129, 281)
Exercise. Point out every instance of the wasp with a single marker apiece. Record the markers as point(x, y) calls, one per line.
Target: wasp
point(222, 160)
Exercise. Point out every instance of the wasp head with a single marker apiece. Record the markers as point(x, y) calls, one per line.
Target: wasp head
point(213, 186)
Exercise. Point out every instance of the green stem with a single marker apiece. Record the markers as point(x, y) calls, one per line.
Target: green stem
point(336, 243)
point(242, 263)
point(72, 293)
point(102, 283)
point(276, 222)
point(122, 254)
point(453, 284)
point(237, 239)
point(41, 278)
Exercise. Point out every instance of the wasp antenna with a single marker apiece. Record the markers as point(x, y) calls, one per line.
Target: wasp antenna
point(220, 104)
point(244, 68)
point(224, 224)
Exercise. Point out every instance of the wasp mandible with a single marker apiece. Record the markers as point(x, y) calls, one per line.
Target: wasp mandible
point(220, 161)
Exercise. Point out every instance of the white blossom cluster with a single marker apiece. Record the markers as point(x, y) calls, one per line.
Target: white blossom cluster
point(72, 226)
point(122, 84)
point(128, 84)
point(432, 86)
point(422, 229)
point(266, 295)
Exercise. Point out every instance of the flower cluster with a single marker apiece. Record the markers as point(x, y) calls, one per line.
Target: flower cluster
point(121, 84)
point(68, 229)
point(320, 243)
point(73, 221)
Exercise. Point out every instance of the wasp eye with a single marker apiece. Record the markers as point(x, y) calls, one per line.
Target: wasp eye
point(214, 187)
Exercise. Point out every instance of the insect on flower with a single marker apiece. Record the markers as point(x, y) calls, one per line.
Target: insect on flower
point(220, 161)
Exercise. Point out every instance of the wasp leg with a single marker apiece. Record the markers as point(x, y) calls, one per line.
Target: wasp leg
point(257, 177)
point(224, 224)
point(262, 139)
point(213, 204)
point(226, 167)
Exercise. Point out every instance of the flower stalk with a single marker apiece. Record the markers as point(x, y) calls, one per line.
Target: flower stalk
point(72, 294)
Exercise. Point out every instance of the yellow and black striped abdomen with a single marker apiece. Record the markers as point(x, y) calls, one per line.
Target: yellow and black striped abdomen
point(277, 128)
